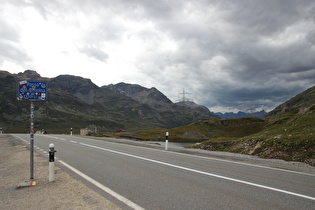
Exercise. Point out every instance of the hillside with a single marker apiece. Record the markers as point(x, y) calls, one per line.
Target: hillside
point(215, 129)
point(300, 104)
point(286, 133)
point(152, 97)
point(77, 102)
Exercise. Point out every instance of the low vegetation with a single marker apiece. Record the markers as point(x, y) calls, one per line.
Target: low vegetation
point(288, 132)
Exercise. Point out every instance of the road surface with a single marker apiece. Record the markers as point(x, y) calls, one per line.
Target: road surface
point(141, 177)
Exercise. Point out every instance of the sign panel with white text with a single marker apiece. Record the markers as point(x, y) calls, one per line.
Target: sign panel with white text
point(32, 90)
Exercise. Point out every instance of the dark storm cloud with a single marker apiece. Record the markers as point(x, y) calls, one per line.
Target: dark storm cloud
point(264, 66)
point(226, 53)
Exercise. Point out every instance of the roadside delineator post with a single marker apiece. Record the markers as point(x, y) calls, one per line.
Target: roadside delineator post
point(166, 140)
point(71, 132)
point(52, 162)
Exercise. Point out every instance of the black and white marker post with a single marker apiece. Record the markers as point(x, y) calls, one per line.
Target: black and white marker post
point(52, 162)
point(166, 140)
point(0, 130)
point(71, 132)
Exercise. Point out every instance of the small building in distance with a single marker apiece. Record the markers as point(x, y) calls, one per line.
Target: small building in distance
point(84, 131)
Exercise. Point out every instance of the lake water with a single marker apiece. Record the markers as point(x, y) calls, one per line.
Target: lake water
point(170, 144)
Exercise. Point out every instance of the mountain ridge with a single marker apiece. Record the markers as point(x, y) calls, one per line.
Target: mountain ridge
point(77, 102)
point(240, 114)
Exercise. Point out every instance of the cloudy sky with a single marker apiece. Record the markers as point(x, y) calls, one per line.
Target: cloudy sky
point(228, 55)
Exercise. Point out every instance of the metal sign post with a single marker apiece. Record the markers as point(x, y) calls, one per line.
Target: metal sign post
point(32, 91)
point(32, 141)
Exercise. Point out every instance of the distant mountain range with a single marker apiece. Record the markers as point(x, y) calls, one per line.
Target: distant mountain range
point(77, 102)
point(231, 115)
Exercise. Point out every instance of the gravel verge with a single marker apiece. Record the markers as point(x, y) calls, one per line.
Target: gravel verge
point(64, 193)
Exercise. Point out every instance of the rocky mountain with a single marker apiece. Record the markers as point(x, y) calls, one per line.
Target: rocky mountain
point(152, 97)
point(232, 115)
point(301, 103)
point(156, 100)
point(77, 102)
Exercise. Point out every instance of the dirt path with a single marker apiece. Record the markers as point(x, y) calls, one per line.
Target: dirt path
point(64, 193)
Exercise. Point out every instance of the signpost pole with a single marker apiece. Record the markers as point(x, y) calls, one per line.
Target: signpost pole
point(32, 142)
point(32, 91)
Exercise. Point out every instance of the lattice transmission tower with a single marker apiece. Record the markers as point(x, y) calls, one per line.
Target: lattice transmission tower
point(184, 99)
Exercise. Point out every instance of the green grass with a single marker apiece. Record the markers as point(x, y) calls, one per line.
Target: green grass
point(202, 130)
point(290, 137)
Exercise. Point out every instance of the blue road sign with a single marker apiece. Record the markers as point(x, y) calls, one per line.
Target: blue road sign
point(31, 90)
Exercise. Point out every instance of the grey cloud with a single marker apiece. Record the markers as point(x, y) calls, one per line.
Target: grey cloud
point(95, 53)
point(13, 53)
point(9, 48)
point(8, 32)
point(205, 29)
point(251, 64)
point(222, 56)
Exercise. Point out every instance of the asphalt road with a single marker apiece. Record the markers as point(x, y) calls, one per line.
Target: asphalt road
point(157, 179)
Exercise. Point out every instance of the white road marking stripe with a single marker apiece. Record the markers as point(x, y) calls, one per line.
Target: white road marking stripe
point(21, 138)
point(102, 187)
point(217, 159)
point(205, 173)
point(73, 141)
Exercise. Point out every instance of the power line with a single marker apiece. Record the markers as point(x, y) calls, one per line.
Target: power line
point(184, 99)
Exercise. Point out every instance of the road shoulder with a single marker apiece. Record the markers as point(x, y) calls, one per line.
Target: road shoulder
point(64, 193)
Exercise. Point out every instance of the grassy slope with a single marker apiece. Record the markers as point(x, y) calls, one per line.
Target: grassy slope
point(290, 137)
point(215, 129)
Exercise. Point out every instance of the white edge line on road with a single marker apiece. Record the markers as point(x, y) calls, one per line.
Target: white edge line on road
point(202, 172)
point(21, 138)
point(203, 157)
point(217, 159)
point(205, 173)
point(102, 187)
